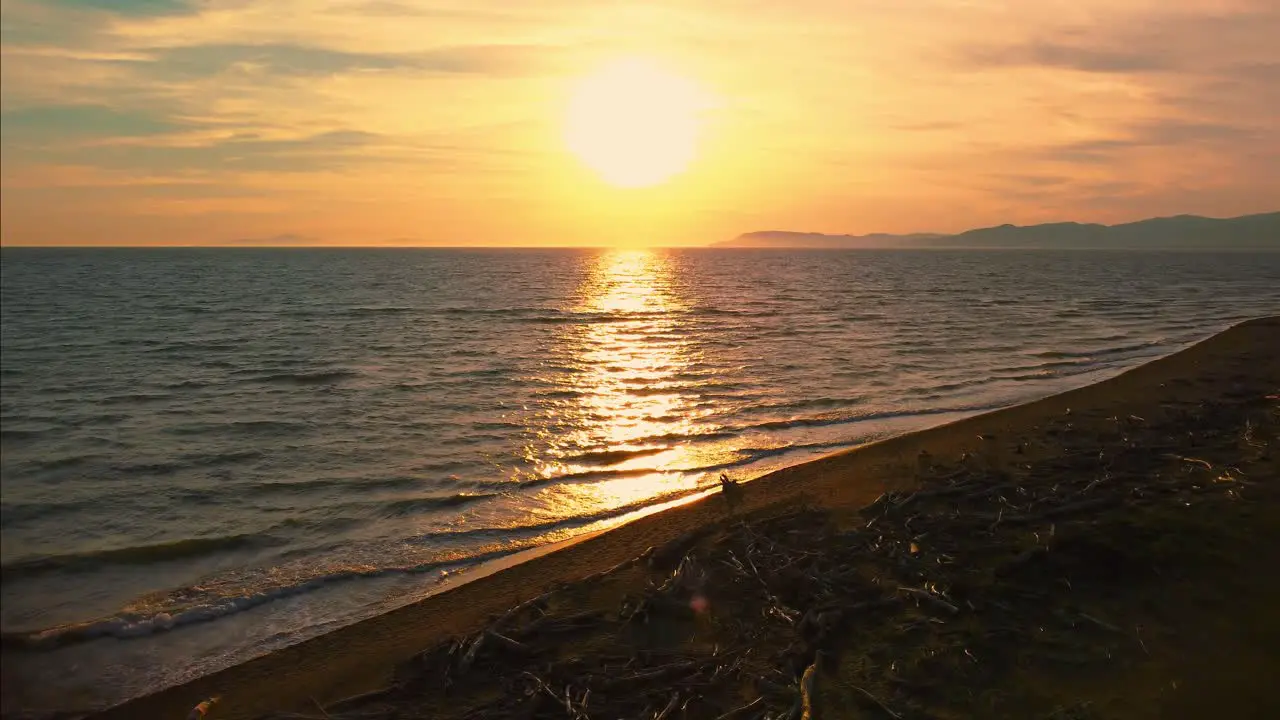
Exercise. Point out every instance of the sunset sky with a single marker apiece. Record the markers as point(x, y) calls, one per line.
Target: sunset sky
point(447, 122)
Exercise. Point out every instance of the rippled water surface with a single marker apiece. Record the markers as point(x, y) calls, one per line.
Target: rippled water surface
point(212, 453)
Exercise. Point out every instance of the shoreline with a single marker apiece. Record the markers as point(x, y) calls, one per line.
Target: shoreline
point(362, 656)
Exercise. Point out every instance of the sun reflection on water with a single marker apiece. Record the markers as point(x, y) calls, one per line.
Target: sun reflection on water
point(631, 403)
point(630, 361)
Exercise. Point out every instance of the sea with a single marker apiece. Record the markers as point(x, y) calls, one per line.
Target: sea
point(208, 454)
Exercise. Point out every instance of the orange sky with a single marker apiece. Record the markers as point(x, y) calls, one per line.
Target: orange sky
point(442, 121)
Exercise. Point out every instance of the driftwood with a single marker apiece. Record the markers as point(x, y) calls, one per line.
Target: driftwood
point(807, 683)
point(877, 703)
point(930, 598)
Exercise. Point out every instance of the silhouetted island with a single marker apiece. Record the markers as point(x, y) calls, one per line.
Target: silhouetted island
point(1183, 232)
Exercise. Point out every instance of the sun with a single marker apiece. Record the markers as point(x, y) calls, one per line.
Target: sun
point(634, 122)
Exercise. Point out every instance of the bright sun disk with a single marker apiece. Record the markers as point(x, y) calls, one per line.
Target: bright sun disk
point(634, 123)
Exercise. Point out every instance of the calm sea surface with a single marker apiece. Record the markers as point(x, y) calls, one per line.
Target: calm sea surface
point(208, 454)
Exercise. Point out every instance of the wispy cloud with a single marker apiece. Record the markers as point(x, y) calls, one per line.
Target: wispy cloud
point(294, 60)
point(1173, 134)
point(133, 7)
point(78, 121)
point(248, 152)
point(299, 60)
point(1074, 57)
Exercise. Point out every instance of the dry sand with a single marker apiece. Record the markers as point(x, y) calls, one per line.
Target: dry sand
point(1110, 551)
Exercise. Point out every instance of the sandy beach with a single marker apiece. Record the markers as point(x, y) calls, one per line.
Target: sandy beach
point(1099, 553)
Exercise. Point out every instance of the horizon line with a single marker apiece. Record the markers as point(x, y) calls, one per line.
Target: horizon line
point(711, 246)
point(708, 244)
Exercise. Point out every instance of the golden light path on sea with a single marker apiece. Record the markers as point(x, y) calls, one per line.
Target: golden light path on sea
point(631, 400)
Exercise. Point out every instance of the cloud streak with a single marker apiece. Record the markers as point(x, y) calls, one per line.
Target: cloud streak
point(78, 121)
point(247, 152)
point(132, 7)
point(302, 61)
point(1072, 57)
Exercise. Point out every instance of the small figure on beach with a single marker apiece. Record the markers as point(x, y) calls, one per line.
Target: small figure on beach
point(731, 490)
point(199, 711)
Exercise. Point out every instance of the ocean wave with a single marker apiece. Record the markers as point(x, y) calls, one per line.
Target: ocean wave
point(548, 316)
point(929, 391)
point(160, 467)
point(194, 347)
point(725, 312)
point(666, 440)
point(559, 394)
point(754, 454)
point(329, 524)
point(1100, 352)
point(186, 385)
point(134, 555)
point(242, 427)
point(221, 458)
point(12, 514)
point(1003, 371)
point(657, 390)
point(512, 532)
point(389, 310)
point(476, 373)
point(808, 404)
point(1038, 375)
point(22, 433)
point(131, 625)
point(823, 421)
point(292, 487)
point(410, 506)
point(584, 476)
point(317, 377)
point(612, 456)
point(138, 397)
point(57, 463)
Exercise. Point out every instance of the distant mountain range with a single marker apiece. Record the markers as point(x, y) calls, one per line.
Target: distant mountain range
point(1184, 232)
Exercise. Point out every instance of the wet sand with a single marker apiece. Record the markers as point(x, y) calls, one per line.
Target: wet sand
point(1109, 550)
